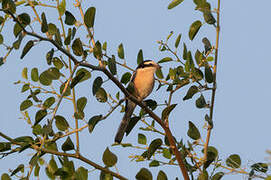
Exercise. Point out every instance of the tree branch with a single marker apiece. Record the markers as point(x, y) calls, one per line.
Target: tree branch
point(121, 87)
point(76, 156)
point(214, 83)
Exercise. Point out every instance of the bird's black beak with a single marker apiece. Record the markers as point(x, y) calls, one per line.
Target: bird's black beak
point(158, 66)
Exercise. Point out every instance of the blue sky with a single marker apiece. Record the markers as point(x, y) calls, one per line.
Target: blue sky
point(242, 105)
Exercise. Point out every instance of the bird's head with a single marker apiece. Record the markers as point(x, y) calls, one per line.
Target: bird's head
point(149, 64)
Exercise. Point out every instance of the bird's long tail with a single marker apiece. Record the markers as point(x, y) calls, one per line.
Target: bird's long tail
point(129, 109)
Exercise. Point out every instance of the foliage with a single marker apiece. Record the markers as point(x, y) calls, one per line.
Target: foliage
point(69, 66)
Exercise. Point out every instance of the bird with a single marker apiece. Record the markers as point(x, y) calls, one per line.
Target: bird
point(140, 86)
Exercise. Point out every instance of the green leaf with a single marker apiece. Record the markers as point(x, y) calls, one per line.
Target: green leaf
point(218, 176)
point(77, 47)
point(49, 102)
point(52, 29)
point(34, 160)
point(17, 29)
point(211, 156)
point(67, 145)
point(53, 73)
point(177, 42)
point(69, 18)
point(166, 153)
point(25, 87)
point(52, 166)
point(77, 79)
point(81, 103)
point(68, 90)
point(40, 115)
point(161, 175)
point(151, 103)
point(207, 44)
point(166, 59)
point(121, 51)
point(49, 56)
point(141, 139)
point(58, 37)
point(109, 158)
point(9, 5)
point(24, 139)
point(260, 167)
point(86, 76)
point(44, 25)
point(17, 43)
point(105, 176)
point(97, 50)
point(101, 95)
point(155, 144)
point(154, 163)
point(126, 78)
point(197, 74)
point(104, 47)
point(62, 7)
point(5, 146)
point(200, 102)
point(24, 19)
point(89, 17)
point(159, 73)
point(19, 168)
point(44, 79)
point(185, 57)
point(34, 74)
point(233, 161)
point(93, 121)
point(198, 57)
point(25, 104)
point(67, 40)
point(27, 48)
point(208, 17)
point(203, 175)
point(209, 74)
point(97, 85)
point(144, 174)
point(140, 58)
point(81, 173)
point(1, 39)
point(57, 63)
point(5, 176)
point(194, 28)
point(37, 170)
point(174, 3)
point(191, 92)
point(24, 73)
point(167, 111)
point(193, 131)
point(210, 58)
point(61, 123)
point(79, 115)
point(1, 20)
point(112, 65)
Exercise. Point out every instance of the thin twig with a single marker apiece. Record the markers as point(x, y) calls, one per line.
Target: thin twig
point(214, 83)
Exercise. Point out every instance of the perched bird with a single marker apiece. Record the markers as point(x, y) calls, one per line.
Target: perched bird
point(140, 86)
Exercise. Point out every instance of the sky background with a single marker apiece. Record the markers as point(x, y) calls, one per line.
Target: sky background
point(242, 106)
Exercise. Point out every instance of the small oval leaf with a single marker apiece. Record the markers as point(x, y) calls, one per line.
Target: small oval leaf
point(193, 131)
point(109, 158)
point(89, 17)
point(194, 28)
point(25, 104)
